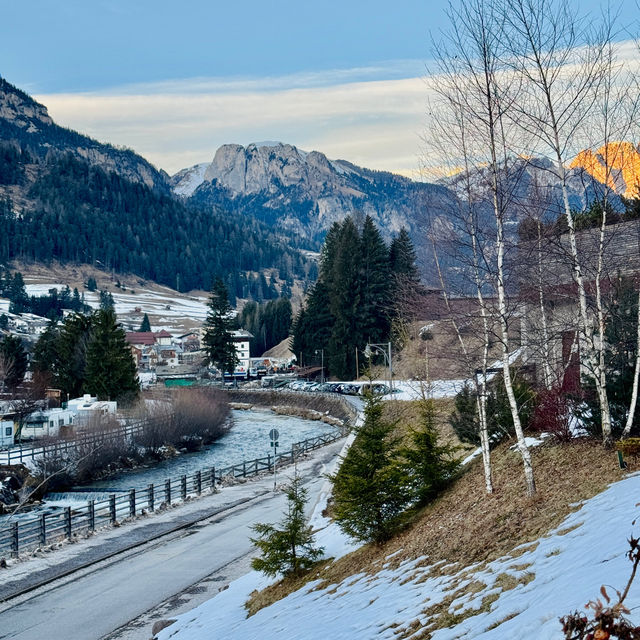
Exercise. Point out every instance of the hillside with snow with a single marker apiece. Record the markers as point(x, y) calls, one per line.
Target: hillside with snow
point(520, 594)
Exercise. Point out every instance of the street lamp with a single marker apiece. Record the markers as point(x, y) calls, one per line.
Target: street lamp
point(385, 349)
point(321, 351)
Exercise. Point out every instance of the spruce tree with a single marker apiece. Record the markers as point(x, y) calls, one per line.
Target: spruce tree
point(344, 299)
point(429, 465)
point(71, 349)
point(145, 325)
point(371, 489)
point(110, 368)
point(375, 287)
point(218, 340)
point(13, 362)
point(288, 549)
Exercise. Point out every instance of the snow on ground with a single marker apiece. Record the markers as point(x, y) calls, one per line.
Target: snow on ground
point(164, 302)
point(530, 589)
point(416, 389)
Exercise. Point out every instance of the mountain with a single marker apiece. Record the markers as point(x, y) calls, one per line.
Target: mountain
point(623, 158)
point(302, 192)
point(27, 123)
point(66, 197)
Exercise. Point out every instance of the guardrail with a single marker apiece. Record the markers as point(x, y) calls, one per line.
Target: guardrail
point(31, 533)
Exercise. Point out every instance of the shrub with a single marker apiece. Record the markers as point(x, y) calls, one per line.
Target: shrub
point(552, 414)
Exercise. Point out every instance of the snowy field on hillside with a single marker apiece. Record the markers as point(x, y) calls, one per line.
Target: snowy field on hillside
point(528, 590)
point(416, 389)
point(166, 307)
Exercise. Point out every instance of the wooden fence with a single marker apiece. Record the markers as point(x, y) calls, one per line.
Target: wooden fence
point(27, 533)
point(57, 448)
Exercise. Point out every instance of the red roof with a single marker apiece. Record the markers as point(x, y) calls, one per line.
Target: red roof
point(163, 334)
point(140, 337)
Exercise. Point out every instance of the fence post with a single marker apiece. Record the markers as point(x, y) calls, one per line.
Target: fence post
point(183, 487)
point(213, 479)
point(198, 482)
point(112, 508)
point(167, 491)
point(14, 540)
point(91, 510)
point(244, 468)
point(150, 497)
point(43, 529)
point(269, 461)
point(67, 521)
point(132, 502)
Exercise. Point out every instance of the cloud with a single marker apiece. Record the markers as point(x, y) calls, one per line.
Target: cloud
point(375, 123)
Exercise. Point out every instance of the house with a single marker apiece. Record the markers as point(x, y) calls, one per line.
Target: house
point(164, 338)
point(555, 337)
point(241, 339)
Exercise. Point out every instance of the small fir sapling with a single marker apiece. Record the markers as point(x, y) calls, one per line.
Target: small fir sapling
point(288, 549)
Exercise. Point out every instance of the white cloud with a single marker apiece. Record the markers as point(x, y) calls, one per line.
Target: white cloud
point(375, 123)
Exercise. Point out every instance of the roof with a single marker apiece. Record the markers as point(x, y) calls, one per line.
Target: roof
point(163, 334)
point(240, 335)
point(140, 337)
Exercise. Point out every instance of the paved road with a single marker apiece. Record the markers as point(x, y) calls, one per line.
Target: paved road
point(94, 603)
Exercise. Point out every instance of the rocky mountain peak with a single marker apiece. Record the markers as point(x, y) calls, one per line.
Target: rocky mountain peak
point(21, 110)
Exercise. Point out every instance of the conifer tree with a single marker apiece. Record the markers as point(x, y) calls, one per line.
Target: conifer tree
point(145, 325)
point(375, 284)
point(13, 362)
point(71, 350)
point(344, 299)
point(218, 340)
point(371, 490)
point(288, 549)
point(429, 465)
point(110, 368)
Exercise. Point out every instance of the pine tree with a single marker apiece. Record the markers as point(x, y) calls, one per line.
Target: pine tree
point(428, 465)
point(371, 490)
point(106, 301)
point(145, 325)
point(288, 549)
point(218, 340)
point(375, 284)
point(13, 362)
point(71, 349)
point(110, 368)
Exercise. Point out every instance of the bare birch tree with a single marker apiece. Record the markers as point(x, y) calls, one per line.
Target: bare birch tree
point(471, 79)
point(567, 72)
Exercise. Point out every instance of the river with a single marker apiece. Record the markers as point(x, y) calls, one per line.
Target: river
point(247, 439)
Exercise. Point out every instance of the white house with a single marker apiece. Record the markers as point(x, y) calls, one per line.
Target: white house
point(241, 341)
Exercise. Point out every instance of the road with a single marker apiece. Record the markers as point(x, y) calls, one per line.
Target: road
point(97, 602)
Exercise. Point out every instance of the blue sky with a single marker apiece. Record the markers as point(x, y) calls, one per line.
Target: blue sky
point(175, 80)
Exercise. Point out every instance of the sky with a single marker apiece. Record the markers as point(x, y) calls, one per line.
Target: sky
point(175, 80)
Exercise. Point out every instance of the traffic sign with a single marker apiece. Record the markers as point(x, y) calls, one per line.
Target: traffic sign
point(273, 434)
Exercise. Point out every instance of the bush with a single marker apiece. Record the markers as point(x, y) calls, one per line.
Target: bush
point(464, 419)
point(552, 414)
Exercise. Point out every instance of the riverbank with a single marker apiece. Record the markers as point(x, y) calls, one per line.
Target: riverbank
point(317, 404)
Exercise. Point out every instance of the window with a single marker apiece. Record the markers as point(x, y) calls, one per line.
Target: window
point(51, 424)
point(60, 422)
point(7, 431)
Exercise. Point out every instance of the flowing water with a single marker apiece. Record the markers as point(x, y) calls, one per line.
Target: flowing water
point(246, 440)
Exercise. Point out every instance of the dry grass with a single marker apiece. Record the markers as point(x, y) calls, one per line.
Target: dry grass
point(466, 526)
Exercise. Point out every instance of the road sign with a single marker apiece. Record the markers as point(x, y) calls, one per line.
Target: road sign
point(273, 434)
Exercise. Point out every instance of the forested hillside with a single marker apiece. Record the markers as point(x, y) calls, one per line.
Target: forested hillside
point(83, 214)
